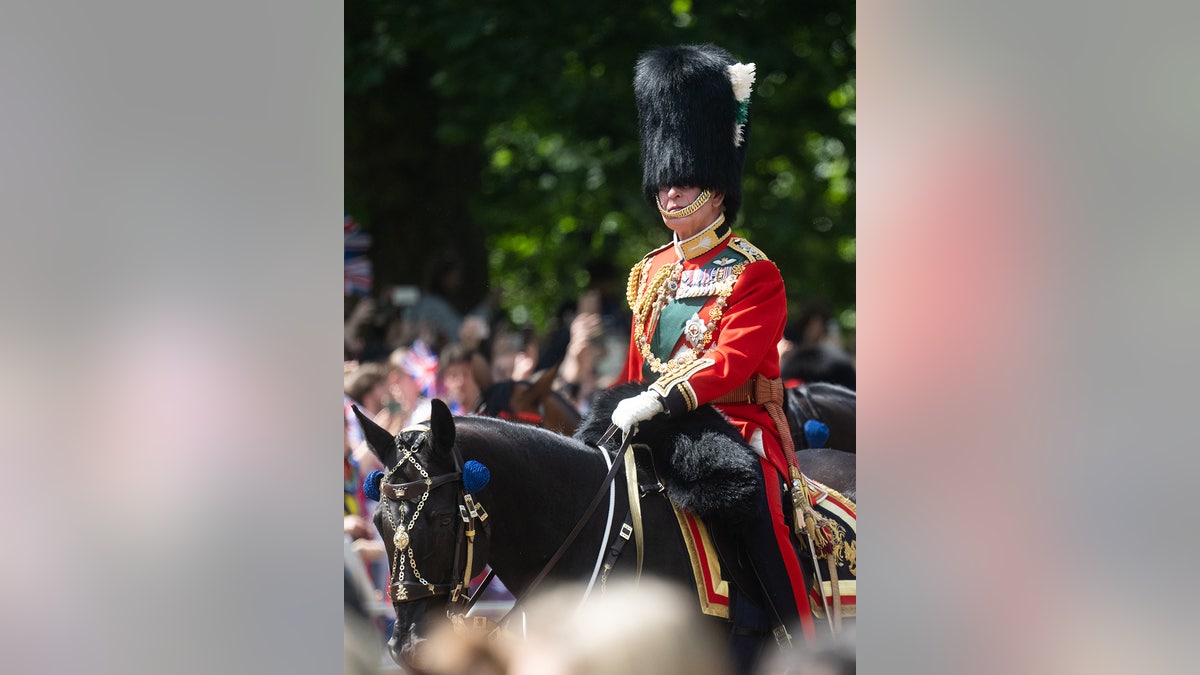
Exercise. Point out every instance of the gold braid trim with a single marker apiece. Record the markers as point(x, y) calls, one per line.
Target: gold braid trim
point(747, 249)
point(658, 293)
point(677, 378)
point(635, 281)
point(653, 290)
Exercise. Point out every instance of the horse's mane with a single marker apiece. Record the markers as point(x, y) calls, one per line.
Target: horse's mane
point(705, 464)
point(524, 435)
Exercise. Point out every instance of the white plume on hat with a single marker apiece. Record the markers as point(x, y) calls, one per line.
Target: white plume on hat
point(741, 75)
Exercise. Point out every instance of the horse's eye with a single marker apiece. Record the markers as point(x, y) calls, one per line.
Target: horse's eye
point(444, 521)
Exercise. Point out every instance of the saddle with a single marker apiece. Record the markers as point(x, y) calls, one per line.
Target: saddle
point(710, 477)
point(717, 562)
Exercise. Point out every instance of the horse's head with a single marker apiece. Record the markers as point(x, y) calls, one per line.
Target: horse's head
point(429, 521)
point(533, 403)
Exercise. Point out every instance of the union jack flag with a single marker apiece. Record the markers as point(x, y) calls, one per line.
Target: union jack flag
point(356, 267)
point(421, 364)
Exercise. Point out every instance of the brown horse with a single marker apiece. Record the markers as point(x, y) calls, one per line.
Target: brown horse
point(533, 403)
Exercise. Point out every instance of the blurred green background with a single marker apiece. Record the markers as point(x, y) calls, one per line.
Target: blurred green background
point(508, 132)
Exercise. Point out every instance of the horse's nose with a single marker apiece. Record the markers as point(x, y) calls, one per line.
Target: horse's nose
point(394, 650)
point(404, 650)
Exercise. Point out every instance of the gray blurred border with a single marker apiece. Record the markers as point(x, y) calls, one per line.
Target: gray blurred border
point(1067, 469)
point(172, 181)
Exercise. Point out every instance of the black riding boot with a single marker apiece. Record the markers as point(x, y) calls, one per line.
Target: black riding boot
point(750, 632)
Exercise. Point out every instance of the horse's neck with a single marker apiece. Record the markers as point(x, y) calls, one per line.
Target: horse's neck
point(537, 493)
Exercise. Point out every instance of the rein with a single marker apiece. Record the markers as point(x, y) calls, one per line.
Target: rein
point(605, 486)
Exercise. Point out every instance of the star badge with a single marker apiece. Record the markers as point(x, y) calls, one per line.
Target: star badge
point(693, 330)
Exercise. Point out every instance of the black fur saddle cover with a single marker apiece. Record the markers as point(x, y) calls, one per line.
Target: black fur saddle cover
point(703, 461)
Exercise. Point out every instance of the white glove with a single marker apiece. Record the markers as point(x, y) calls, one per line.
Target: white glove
point(636, 409)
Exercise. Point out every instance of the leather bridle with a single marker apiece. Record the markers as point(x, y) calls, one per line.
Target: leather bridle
point(403, 556)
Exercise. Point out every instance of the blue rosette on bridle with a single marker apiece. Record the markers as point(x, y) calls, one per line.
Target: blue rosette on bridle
point(475, 476)
point(371, 485)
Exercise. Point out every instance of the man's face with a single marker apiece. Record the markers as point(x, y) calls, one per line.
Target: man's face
point(675, 198)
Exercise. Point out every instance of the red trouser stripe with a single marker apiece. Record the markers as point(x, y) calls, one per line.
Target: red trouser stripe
point(787, 552)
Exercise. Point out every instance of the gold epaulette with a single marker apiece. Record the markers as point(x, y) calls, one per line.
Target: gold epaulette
point(747, 249)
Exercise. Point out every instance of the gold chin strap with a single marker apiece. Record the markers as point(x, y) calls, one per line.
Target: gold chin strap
point(700, 200)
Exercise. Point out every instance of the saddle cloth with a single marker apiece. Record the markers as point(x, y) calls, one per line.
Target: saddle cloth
point(712, 587)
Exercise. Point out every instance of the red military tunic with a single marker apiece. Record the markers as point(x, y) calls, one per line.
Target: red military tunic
point(708, 314)
point(743, 340)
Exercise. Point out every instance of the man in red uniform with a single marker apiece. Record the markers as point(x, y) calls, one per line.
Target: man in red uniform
point(709, 308)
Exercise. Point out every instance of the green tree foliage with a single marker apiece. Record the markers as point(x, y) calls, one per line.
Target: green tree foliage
point(508, 131)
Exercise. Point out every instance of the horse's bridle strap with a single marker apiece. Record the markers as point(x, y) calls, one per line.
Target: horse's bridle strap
point(413, 590)
point(405, 491)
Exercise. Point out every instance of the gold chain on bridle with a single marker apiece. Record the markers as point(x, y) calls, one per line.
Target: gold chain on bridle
point(402, 550)
point(401, 541)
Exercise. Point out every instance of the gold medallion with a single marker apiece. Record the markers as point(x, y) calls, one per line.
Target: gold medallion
point(400, 540)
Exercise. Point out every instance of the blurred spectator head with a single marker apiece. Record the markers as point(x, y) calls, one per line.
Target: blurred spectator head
point(811, 326)
point(456, 377)
point(367, 385)
point(403, 386)
point(650, 628)
point(466, 650)
point(831, 656)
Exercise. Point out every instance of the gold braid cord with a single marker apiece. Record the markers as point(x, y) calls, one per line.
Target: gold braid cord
point(656, 294)
point(635, 281)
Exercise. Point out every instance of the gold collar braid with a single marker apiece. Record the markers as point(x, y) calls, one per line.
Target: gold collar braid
point(703, 241)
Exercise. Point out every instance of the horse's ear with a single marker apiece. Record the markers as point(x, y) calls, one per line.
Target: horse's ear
point(441, 426)
point(379, 440)
point(544, 384)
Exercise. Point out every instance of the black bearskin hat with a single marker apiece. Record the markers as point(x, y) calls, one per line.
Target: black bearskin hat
point(693, 119)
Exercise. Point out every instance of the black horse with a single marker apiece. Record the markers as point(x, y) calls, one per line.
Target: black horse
point(831, 405)
point(538, 487)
